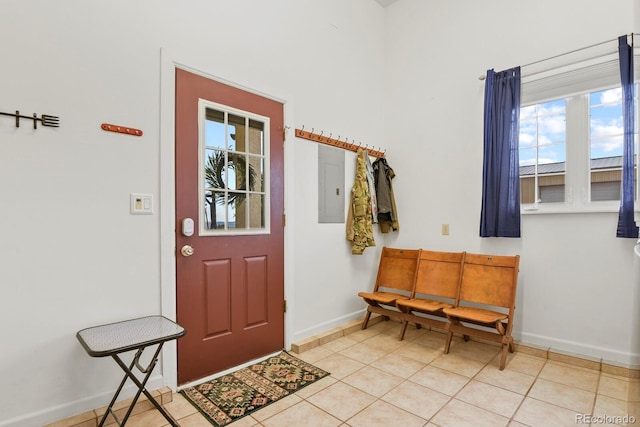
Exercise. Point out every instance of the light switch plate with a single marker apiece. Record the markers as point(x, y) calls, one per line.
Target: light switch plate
point(141, 204)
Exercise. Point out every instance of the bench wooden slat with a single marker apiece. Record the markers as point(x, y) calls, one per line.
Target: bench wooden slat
point(478, 315)
point(486, 298)
point(436, 287)
point(387, 298)
point(459, 292)
point(395, 280)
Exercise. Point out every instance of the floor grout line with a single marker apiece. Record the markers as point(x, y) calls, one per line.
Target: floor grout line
point(424, 337)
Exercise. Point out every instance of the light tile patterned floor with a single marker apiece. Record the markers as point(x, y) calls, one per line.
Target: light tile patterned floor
point(377, 380)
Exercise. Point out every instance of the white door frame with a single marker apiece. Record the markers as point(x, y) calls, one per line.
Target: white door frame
point(170, 60)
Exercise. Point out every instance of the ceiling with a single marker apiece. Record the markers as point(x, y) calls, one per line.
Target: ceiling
point(385, 3)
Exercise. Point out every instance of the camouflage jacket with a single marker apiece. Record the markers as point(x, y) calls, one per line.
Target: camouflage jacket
point(359, 220)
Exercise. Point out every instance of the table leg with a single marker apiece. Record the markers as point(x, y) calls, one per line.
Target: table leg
point(115, 396)
point(141, 386)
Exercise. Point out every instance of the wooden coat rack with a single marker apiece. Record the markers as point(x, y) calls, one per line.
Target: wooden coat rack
point(336, 142)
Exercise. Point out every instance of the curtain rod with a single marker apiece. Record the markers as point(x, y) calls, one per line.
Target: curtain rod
point(482, 77)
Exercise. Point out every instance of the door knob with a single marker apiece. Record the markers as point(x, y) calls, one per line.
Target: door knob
point(187, 250)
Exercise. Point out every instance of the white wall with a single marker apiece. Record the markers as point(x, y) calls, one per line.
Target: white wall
point(72, 255)
point(575, 289)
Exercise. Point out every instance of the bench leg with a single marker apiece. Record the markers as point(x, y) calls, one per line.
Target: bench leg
point(447, 345)
point(404, 329)
point(503, 359)
point(366, 319)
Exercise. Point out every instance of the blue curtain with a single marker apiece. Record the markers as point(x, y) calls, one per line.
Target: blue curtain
point(626, 224)
point(500, 216)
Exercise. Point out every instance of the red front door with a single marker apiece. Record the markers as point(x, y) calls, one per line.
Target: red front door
point(230, 258)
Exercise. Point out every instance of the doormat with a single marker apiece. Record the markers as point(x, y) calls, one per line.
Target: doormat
point(235, 395)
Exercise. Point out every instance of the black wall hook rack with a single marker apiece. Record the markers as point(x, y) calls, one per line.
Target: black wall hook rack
point(346, 145)
point(45, 119)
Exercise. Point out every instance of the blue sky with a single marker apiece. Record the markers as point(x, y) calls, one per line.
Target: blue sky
point(549, 130)
point(214, 135)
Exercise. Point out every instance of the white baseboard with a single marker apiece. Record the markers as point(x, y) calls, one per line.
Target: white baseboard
point(59, 412)
point(328, 325)
point(582, 350)
point(586, 351)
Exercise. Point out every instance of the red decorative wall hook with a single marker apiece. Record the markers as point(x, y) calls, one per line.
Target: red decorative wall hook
point(121, 129)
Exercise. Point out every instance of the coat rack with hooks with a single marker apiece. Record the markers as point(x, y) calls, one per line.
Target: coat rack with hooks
point(337, 142)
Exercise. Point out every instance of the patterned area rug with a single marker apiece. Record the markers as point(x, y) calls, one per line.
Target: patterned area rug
point(231, 397)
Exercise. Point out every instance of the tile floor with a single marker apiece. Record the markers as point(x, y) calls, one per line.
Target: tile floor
point(377, 380)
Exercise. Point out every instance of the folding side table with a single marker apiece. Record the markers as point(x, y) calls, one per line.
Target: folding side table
point(120, 337)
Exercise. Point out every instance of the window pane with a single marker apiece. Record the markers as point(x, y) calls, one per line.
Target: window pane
point(256, 213)
point(214, 129)
point(214, 169)
point(552, 193)
point(256, 137)
point(236, 210)
point(256, 168)
point(237, 133)
point(606, 133)
point(528, 133)
point(233, 170)
point(214, 210)
point(601, 191)
point(236, 171)
point(542, 151)
point(527, 174)
point(207, 217)
point(552, 123)
point(551, 158)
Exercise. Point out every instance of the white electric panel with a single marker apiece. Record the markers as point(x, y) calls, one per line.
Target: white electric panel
point(331, 193)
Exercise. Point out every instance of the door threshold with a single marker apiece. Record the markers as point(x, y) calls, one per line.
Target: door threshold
point(227, 371)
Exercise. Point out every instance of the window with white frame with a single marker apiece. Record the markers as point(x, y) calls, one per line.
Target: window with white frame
point(233, 172)
point(571, 141)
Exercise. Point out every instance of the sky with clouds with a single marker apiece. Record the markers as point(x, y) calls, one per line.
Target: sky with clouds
point(545, 125)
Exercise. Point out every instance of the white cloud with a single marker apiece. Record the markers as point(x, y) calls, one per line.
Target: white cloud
point(527, 162)
point(528, 113)
point(554, 125)
point(553, 110)
point(527, 139)
point(611, 96)
point(614, 127)
point(544, 161)
point(608, 145)
point(544, 140)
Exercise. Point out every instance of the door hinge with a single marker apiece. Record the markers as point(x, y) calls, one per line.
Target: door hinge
point(284, 306)
point(284, 220)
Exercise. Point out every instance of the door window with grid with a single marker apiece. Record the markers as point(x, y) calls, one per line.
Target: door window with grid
point(233, 171)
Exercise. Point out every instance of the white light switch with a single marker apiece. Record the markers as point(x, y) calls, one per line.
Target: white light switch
point(141, 204)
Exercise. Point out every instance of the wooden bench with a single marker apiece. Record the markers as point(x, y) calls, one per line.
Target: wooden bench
point(436, 287)
point(486, 299)
point(395, 280)
point(459, 292)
